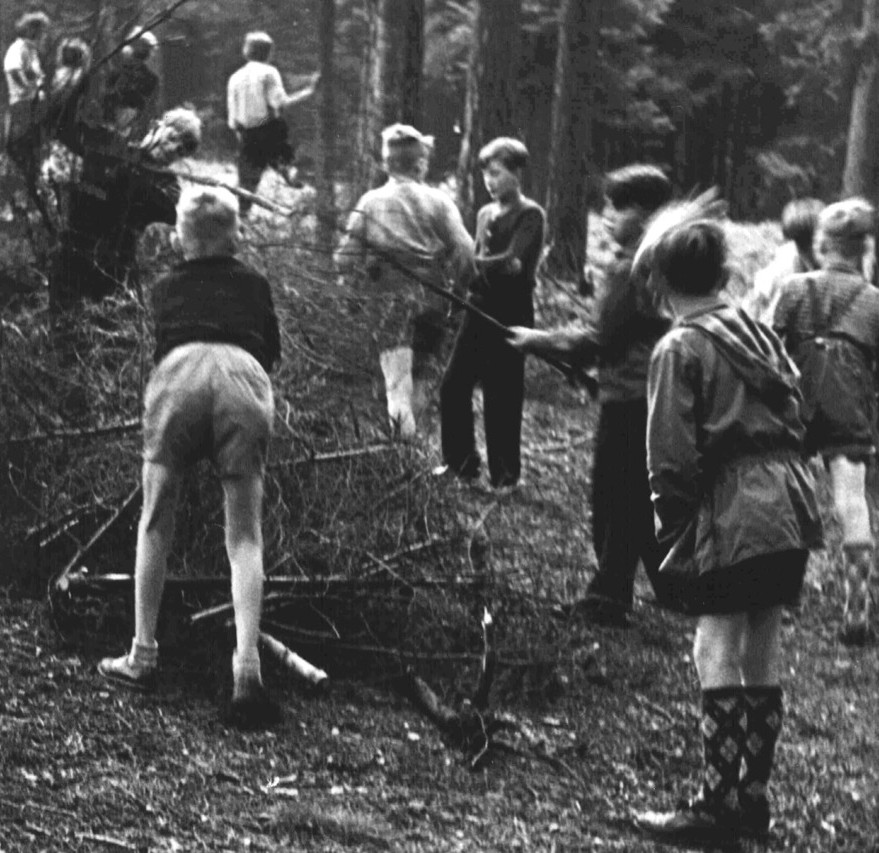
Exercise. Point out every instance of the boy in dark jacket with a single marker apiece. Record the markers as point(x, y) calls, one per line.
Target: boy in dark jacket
point(509, 239)
point(209, 396)
point(621, 334)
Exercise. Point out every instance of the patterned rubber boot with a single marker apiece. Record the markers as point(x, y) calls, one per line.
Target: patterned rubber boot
point(713, 817)
point(764, 709)
point(856, 629)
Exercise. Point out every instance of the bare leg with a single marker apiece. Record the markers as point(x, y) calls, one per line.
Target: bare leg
point(244, 545)
point(155, 535)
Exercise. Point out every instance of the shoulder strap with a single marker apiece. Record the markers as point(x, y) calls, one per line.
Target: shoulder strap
point(841, 310)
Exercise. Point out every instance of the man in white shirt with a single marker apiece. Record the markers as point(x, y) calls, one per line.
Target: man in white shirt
point(255, 100)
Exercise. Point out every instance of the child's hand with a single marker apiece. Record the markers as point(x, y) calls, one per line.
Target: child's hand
point(522, 338)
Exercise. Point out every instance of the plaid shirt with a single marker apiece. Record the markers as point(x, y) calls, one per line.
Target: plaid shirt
point(836, 300)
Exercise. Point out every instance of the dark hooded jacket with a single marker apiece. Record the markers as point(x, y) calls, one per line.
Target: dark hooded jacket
point(724, 444)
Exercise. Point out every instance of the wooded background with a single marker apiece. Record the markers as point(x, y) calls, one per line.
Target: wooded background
point(767, 99)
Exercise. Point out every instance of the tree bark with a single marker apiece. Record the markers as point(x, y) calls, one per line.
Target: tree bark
point(571, 141)
point(394, 60)
point(490, 106)
point(862, 157)
point(326, 131)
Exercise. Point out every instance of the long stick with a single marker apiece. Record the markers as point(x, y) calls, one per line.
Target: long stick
point(571, 372)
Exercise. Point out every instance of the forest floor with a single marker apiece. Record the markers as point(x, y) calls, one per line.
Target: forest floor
point(87, 767)
point(598, 722)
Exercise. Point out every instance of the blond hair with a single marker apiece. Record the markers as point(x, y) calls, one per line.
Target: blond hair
point(843, 228)
point(207, 221)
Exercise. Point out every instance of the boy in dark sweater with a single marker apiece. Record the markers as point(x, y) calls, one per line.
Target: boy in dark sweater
point(209, 396)
point(509, 239)
point(621, 334)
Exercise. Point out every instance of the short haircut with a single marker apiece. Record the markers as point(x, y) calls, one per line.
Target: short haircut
point(638, 185)
point(30, 22)
point(843, 228)
point(208, 218)
point(405, 157)
point(258, 46)
point(187, 124)
point(799, 220)
point(691, 259)
point(73, 53)
point(510, 152)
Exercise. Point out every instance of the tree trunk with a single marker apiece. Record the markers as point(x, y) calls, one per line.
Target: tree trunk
point(571, 141)
point(326, 131)
point(393, 77)
point(860, 173)
point(490, 106)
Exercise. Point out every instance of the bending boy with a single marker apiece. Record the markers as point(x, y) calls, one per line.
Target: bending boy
point(209, 396)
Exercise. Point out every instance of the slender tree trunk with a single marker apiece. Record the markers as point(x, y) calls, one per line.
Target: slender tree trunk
point(571, 141)
point(862, 157)
point(490, 106)
point(394, 59)
point(326, 132)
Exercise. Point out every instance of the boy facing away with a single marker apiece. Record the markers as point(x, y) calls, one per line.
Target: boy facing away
point(829, 320)
point(621, 334)
point(398, 234)
point(209, 396)
point(509, 240)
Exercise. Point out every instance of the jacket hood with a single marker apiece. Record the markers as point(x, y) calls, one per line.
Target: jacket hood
point(756, 355)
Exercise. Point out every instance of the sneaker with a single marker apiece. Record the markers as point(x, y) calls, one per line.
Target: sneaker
point(253, 710)
point(121, 671)
point(694, 823)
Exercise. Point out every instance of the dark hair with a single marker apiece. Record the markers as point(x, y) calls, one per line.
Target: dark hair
point(799, 220)
point(692, 258)
point(73, 53)
point(511, 152)
point(639, 184)
point(258, 46)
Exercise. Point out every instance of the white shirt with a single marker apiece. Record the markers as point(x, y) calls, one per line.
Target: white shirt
point(22, 56)
point(254, 95)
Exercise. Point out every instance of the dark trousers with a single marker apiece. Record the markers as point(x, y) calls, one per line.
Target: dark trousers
point(622, 513)
point(262, 147)
point(480, 355)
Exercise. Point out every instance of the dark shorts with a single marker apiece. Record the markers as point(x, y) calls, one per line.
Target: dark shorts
point(769, 580)
point(267, 145)
point(208, 401)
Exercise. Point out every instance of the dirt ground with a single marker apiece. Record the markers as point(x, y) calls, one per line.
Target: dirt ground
point(600, 722)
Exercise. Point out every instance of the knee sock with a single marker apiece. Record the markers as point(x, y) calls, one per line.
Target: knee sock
point(143, 657)
point(396, 365)
point(858, 571)
point(723, 734)
point(764, 707)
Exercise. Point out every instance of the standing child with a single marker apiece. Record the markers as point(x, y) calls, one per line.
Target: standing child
point(509, 240)
point(796, 255)
point(735, 503)
point(622, 331)
point(399, 234)
point(209, 396)
point(829, 320)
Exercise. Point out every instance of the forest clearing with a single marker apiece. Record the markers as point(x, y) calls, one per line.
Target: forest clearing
point(595, 722)
point(442, 687)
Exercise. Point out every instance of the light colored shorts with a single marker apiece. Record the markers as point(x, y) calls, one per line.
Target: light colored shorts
point(208, 401)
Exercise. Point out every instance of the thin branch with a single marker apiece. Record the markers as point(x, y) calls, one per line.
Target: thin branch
point(37, 438)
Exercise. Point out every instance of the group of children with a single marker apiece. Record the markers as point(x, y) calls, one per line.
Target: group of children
point(707, 416)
